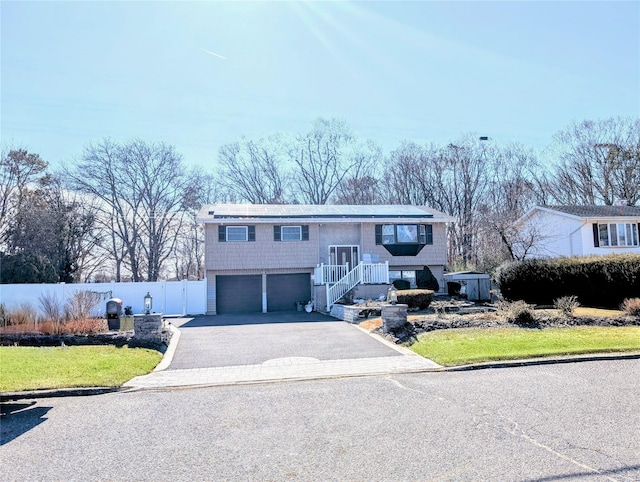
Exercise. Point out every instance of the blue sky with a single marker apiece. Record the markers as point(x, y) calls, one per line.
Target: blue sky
point(201, 74)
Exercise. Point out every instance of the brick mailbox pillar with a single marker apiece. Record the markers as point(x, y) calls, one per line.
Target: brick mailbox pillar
point(393, 317)
point(147, 329)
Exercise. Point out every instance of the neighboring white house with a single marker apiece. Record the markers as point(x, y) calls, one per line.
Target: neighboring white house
point(554, 231)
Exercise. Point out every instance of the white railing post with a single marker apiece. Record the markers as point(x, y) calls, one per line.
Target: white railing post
point(386, 265)
point(326, 292)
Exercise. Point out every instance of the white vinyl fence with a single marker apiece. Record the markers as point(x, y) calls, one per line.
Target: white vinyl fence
point(169, 297)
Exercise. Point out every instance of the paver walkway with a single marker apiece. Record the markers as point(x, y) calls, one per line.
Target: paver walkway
point(286, 369)
point(230, 349)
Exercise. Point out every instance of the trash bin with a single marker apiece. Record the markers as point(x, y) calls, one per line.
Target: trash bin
point(299, 305)
point(114, 312)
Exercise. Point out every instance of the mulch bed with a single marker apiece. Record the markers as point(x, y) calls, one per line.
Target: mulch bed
point(444, 315)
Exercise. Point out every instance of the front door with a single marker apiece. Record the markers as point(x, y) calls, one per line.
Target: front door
point(341, 255)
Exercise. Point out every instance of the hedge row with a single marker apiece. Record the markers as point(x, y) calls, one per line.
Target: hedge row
point(598, 281)
point(415, 299)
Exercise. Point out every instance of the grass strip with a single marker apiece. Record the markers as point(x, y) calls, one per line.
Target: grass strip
point(476, 345)
point(31, 368)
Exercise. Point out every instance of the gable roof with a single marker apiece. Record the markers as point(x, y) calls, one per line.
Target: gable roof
point(584, 212)
point(598, 211)
point(326, 212)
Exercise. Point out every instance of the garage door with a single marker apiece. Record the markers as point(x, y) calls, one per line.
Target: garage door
point(283, 290)
point(239, 294)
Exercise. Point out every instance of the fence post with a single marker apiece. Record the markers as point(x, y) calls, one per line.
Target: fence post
point(185, 289)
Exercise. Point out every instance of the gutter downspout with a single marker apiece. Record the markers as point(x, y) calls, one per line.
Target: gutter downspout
point(579, 228)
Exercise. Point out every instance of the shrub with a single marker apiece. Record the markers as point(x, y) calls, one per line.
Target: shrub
point(415, 299)
point(4, 315)
point(23, 315)
point(51, 307)
point(516, 312)
point(603, 281)
point(631, 306)
point(401, 284)
point(79, 306)
point(426, 280)
point(566, 304)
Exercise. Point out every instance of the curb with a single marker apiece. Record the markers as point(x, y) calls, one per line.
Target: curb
point(167, 357)
point(542, 361)
point(62, 392)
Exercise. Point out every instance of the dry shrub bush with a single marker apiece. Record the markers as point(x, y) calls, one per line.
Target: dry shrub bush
point(566, 304)
point(24, 314)
point(72, 318)
point(631, 306)
point(87, 326)
point(51, 307)
point(79, 306)
point(516, 312)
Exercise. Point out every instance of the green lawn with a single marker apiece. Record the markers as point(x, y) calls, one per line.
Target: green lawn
point(29, 368)
point(473, 345)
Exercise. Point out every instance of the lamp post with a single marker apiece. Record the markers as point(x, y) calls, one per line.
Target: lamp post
point(392, 295)
point(148, 303)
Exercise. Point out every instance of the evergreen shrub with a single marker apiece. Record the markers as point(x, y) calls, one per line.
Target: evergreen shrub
point(426, 280)
point(602, 281)
point(415, 299)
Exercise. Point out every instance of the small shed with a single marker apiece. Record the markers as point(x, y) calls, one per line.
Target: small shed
point(474, 284)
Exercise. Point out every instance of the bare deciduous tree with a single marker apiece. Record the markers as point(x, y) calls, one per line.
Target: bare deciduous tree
point(256, 170)
point(323, 157)
point(599, 162)
point(141, 188)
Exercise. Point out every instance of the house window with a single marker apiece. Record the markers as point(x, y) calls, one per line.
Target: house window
point(404, 239)
point(236, 233)
point(409, 276)
point(618, 234)
point(407, 233)
point(388, 234)
point(291, 233)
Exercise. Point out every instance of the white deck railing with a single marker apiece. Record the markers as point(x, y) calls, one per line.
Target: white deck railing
point(330, 273)
point(372, 273)
point(363, 273)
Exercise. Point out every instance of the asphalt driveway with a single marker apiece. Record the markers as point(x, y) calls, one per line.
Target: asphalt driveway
point(255, 338)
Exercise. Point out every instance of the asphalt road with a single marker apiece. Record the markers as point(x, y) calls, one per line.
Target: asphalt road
point(568, 422)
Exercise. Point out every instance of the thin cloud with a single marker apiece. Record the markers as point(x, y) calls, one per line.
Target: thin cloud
point(214, 54)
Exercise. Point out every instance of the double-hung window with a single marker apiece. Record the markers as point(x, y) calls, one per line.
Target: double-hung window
point(291, 233)
point(616, 234)
point(236, 233)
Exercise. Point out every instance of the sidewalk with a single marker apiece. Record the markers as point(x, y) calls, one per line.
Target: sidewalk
point(282, 369)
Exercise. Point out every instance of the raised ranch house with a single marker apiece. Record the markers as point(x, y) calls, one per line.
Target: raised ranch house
point(262, 258)
point(555, 231)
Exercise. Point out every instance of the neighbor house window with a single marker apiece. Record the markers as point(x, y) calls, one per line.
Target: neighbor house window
point(236, 233)
point(291, 233)
point(616, 234)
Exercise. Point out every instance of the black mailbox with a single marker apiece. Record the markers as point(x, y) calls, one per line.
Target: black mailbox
point(114, 312)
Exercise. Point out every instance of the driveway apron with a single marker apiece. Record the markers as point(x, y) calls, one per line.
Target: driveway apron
point(256, 338)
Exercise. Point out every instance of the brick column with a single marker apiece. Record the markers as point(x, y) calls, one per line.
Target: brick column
point(147, 329)
point(393, 317)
